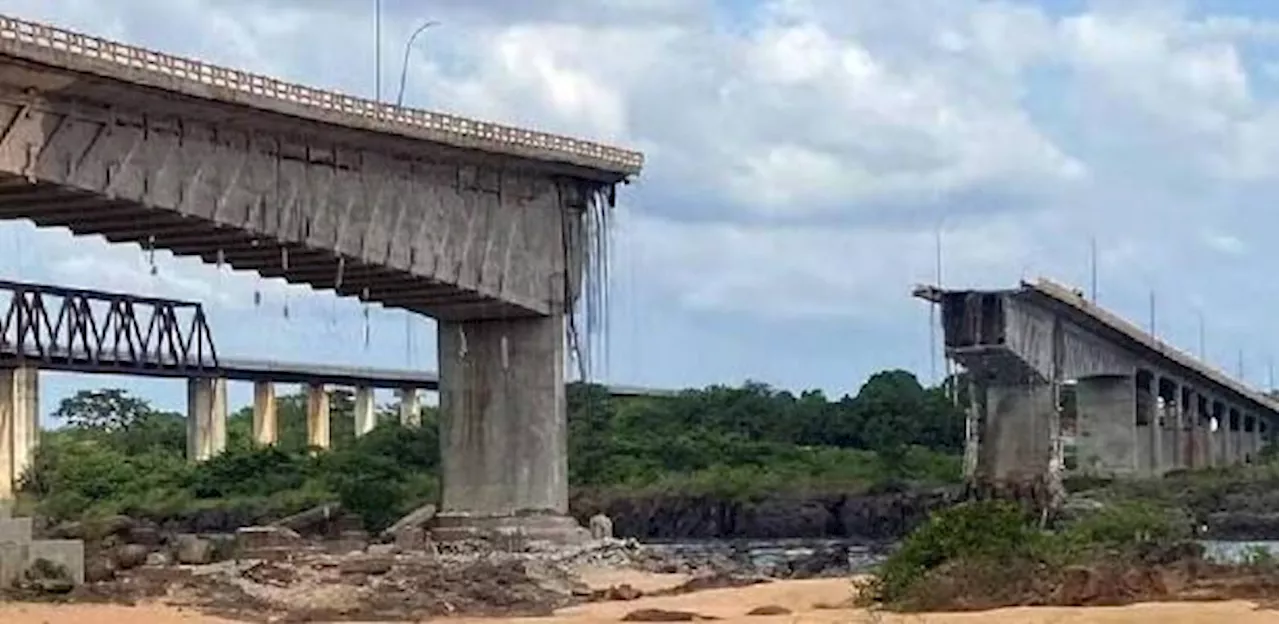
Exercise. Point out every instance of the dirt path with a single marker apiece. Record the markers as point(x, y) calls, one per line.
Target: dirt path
point(729, 604)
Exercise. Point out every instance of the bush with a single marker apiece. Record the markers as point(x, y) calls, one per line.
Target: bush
point(992, 530)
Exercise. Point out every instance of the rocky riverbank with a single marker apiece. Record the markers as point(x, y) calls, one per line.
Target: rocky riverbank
point(826, 515)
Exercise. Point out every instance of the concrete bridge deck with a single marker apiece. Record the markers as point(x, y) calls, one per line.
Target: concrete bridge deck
point(1141, 406)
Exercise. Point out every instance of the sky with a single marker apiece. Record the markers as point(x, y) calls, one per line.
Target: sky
point(805, 162)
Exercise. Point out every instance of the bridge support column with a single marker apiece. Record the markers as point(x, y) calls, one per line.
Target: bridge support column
point(19, 425)
point(266, 428)
point(410, 407)
point(317, 416)
point(206, 417)
point(1016, 438)
point(365, 414)
point(1106, 439)
point(503, 433)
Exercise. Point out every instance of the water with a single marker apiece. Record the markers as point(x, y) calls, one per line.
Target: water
point(768, 556)
point(1235, 552)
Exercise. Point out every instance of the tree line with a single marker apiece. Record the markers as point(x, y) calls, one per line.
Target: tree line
point(115, 453)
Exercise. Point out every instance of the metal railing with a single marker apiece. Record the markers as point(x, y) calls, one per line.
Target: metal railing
point(386, 117)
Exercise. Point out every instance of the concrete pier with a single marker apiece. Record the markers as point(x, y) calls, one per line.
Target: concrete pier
point(317, 416)
point(1106, 439)
point(503, 432)
point(266, 427)
point(410, 407)
point(19, 425)
point(366, 415)
point(1016, 436)
point(206, 417)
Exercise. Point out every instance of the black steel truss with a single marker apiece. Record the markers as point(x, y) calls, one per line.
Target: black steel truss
point(89, 330)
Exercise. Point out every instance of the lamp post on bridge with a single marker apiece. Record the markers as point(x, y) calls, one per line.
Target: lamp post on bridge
point(404, 64)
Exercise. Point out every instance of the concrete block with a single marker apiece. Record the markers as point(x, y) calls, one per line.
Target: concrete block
point(13, 562)
point(15, 530)
point(67, 553)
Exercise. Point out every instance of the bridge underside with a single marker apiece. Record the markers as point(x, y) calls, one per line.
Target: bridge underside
point(452, 233)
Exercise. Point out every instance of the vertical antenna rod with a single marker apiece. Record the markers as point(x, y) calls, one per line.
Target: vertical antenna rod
point(1093, 270)
point(377, 54)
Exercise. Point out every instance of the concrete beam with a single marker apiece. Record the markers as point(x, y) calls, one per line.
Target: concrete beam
point(266, 426)
point(206, 417)
point(318, 416)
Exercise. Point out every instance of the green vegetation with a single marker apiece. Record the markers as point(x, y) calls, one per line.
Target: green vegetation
point(995, 549)
point(117, 454)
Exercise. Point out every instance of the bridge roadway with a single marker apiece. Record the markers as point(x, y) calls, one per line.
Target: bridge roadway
point(484, 227)
point(1142, 407)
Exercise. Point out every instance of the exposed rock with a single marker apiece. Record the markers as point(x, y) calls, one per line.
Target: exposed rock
point(770, 610)
point(416, 519)
point(622, 592)
point(48, 577)
point(313, 520)
point(601, 527)
point(159, 558)
point(663, 615)
point(192, 549)
point(129, 556)
point(249, 539)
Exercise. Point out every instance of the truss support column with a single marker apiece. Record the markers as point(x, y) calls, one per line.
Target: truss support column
point(410, 407)
point(266, 427)
point(19, 425)
point(365, 414)
point(503, 430)
point(206, 417)
point(317, 416)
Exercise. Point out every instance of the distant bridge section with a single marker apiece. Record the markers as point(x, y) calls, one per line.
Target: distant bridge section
point(1141, 406)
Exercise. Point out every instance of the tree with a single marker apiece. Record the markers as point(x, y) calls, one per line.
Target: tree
point(109, 409)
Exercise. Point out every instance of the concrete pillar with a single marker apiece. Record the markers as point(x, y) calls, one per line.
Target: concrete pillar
point(365, 413)
point(1106, 431)
point(317, 416)
point(1222, 441)
point(410, 407)
point(1178, 457)
point(19, 425)
point(1250, 438)
point(1235, 453)
point(972, 426)
point(1157, 409)
point(266, 426)
point(503, 433)
point(206, 417)
point(1016, 437)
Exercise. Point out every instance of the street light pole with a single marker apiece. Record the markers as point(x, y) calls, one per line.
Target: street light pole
point(404, 65)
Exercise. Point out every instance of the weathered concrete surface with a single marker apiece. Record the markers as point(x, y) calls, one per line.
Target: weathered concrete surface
point(452, 217)
point(18, 550)
point(410, 407)
point(1016, 437)
point(19, 425)
point(503, 433)
point(266, 425)
point(1106, 443)
point(318, 416)
point(206, 417)
point(364, 411)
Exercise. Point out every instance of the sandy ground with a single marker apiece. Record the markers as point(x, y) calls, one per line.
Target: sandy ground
point(731, 605)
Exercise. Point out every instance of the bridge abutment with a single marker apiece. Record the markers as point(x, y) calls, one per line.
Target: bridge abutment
point(19, 425)
point(503, 430)
point(206, 417)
